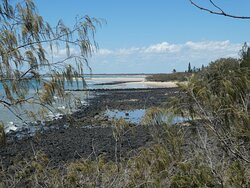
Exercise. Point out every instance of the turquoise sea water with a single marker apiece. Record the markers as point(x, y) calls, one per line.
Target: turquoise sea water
point(13, 123)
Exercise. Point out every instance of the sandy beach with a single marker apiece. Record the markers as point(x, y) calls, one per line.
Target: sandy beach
point(135, 81)
point(157, 84)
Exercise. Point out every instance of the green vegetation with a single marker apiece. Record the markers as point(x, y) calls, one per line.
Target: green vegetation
point(177, 76)
point(174, 159)
point(210, 150)
point(220, 96)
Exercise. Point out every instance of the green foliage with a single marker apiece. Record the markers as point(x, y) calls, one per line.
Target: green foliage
point(220, 96)
point(27, 45)
point(193, 175)
point(178, 156)
point(238, 174)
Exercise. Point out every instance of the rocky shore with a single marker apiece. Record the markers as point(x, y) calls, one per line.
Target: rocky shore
point(89, 132)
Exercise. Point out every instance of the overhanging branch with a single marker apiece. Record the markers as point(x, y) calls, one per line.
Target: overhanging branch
point(221, 12)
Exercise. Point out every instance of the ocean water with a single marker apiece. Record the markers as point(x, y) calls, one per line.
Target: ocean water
point(13, 123)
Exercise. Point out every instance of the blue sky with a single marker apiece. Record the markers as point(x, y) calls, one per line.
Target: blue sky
point(153, 36)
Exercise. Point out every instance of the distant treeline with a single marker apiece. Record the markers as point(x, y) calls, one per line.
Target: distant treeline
point(178, 76)
point(175, 76)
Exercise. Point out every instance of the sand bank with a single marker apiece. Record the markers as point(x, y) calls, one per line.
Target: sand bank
point(156, 84)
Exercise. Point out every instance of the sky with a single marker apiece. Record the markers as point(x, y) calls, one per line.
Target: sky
point(155, 36)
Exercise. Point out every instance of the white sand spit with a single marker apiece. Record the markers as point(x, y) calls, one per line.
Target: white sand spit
point(157, 84)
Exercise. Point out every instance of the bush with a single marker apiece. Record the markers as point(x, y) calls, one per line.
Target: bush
point(220, 95)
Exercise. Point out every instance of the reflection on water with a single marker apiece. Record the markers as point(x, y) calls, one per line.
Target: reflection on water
point(133, 116)
point(137, 116)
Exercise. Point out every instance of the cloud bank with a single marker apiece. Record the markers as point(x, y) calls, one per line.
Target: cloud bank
point(162, 57)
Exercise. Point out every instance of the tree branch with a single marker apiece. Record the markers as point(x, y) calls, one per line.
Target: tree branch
point(221, 12)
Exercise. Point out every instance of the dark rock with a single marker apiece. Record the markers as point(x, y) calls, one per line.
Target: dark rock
point(62, 143)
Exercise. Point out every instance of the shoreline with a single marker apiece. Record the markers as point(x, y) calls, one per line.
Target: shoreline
point(88, 123)
point(130, 80)
point(121, 89)
point(31, 128)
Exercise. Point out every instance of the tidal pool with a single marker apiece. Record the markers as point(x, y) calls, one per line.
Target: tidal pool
point(136, 116)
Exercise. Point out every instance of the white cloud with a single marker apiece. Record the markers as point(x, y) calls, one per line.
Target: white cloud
point(162, 57)
point(166, 48)
point(105, 52)
point(163, 47)
point(210, 45)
